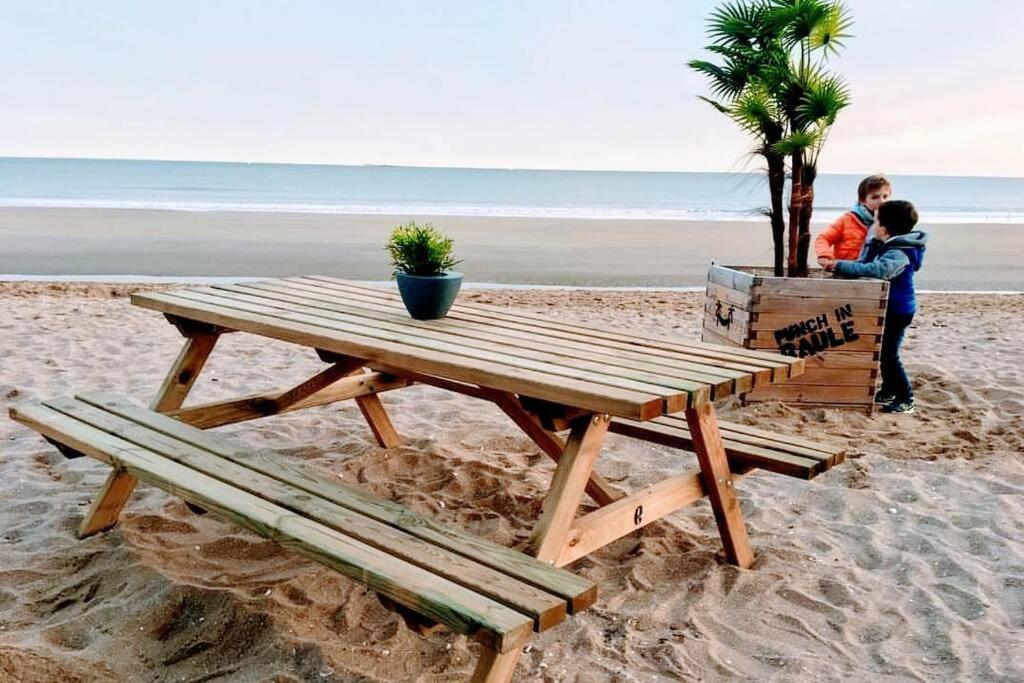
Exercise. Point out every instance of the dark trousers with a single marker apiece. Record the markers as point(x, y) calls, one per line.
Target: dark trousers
point(894, 377)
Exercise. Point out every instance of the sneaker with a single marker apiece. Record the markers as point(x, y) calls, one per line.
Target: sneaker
point(899, 407)
point(885, 397)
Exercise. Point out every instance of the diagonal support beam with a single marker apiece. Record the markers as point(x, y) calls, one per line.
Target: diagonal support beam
point(317, 382)
point(184, 372)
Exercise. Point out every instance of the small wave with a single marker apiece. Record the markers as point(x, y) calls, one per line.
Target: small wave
point(822, 214)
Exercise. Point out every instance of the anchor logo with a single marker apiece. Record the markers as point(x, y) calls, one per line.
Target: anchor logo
point(724, 320)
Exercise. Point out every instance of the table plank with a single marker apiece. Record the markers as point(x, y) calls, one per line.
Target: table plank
point(478, 336)
point(791, 366)
point(568, 391)
point(670, 391)
point(737, 375)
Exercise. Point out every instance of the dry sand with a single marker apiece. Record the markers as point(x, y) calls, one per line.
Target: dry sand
point(906, 563)
point(502, 250)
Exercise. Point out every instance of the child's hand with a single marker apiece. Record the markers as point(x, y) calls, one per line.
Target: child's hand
point(827, 262)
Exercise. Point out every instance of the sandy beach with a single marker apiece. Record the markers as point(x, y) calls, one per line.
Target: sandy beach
point(904, 564)
point(625, 253)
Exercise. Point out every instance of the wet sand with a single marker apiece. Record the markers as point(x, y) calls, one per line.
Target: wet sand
point(496, 250)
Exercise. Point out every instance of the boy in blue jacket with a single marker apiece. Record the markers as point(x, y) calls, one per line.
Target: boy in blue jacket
point(894, 253)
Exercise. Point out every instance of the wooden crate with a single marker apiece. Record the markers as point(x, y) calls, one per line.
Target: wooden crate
point(836, 325)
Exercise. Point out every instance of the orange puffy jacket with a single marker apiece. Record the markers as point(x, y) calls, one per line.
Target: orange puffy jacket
point(843, 239)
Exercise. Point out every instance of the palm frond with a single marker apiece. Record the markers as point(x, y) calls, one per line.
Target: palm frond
point(822, 100)
point(716, 104)
point(734, 22)
point(725, 80)
point(797, 141)
point(829, 33)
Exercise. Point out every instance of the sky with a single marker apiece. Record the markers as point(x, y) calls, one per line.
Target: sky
point(937, 87)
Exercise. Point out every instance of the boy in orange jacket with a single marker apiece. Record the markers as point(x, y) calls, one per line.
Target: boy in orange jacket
point(842, 241)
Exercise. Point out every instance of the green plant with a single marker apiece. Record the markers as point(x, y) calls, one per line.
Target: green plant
point(420, 250)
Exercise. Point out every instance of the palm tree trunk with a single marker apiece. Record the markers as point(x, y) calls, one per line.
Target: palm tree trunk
point(806, 209)
point(796, 193)
point(776, 188)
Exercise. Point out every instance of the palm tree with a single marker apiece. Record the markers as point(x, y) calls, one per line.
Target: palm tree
point(811, 31)
point(772, 82)
point(741, 88)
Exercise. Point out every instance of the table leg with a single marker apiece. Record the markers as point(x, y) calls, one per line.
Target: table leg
point(707, 444)
point(107, 506)
point(495, 668)
point(380, 424)
point(571, 476)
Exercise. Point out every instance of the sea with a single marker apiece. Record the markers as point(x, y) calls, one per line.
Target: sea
point(403, 190)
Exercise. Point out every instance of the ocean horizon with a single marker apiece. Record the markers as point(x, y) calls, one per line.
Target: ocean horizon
point(426, 191)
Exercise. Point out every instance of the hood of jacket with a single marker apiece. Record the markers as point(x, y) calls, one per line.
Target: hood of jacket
point(912, 244)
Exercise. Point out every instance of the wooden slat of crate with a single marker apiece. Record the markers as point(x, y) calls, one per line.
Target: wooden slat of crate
point(771, 322)
point(840, 377)
point(813, 394)
point(765, 340)
point(809, 307)
point(709, 336)
point(732, 278)
point(740, 300)
point(823, 288)
point(844, 360)
point(737, 331)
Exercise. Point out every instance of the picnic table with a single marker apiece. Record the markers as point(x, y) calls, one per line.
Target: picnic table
point(565, 385)
point(546, 375)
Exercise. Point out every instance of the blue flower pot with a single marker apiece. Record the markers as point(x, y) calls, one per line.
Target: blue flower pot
point(427, 297)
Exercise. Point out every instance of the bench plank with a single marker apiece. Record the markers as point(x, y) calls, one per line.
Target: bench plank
point(546, 609)
point(761, 449)
point(577, 592)
point(463, 610)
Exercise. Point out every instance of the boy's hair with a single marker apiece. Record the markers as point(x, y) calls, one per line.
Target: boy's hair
point(897, 216)
point(870, 184)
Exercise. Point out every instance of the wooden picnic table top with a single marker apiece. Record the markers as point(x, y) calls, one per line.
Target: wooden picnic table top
point(626, 375)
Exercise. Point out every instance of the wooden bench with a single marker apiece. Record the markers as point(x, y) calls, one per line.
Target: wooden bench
point(745, 447)
point(431, 574)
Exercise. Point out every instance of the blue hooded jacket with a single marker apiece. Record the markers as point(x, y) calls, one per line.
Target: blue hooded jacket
point(896, 260)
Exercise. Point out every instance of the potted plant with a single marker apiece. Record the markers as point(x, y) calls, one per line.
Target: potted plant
point(770, 76)
point(422, 258)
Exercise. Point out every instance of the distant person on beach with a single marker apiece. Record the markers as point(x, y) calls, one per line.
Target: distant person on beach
point(895, 253)
point(844, 238)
